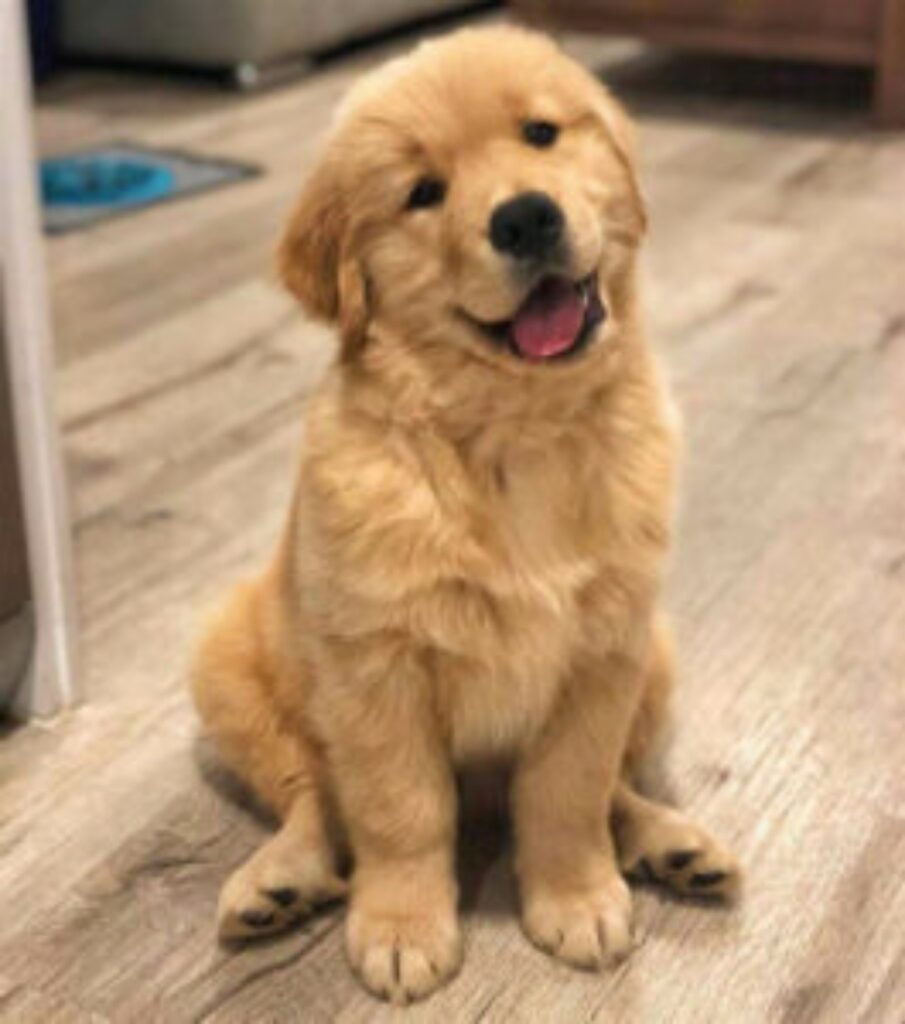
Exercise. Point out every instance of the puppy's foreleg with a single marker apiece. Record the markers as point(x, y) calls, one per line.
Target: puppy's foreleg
point(575, 904)
point(396, 792)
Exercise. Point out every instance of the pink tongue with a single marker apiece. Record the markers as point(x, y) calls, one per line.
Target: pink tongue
point(549, 320)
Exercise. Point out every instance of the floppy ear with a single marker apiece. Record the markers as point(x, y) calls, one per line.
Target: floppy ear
point(622, 136)
point(316, 261)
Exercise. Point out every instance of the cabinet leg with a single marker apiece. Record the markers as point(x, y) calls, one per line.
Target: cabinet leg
point(889, 84)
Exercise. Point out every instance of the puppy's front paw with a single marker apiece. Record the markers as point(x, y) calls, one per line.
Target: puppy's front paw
point(586, 928)
point(403, 956)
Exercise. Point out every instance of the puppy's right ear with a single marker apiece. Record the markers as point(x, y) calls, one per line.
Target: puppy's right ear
point(308, 254)
point(318, 261)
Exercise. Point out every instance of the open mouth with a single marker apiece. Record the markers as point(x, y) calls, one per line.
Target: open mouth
point(556, 320)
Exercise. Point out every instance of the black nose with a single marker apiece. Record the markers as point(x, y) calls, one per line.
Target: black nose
point(529, 226)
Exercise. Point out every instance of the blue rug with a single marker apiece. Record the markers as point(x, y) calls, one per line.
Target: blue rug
point(86, 188)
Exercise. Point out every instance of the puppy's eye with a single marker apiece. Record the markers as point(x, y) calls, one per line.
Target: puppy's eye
point(426, 192)
point(541, 134)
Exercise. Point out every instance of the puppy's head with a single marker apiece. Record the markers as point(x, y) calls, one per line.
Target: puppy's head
point(479, 193)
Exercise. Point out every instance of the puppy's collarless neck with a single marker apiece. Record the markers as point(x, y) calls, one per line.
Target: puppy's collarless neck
point(399, 382)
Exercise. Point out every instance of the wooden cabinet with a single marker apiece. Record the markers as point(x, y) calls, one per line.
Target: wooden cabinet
point(859, 32)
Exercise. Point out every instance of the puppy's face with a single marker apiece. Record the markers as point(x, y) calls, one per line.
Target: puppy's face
point(479, 193)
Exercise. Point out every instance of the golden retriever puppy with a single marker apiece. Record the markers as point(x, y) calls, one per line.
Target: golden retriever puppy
point(470, 568)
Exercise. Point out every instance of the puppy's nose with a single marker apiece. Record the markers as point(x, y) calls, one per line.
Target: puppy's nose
point(529, 226)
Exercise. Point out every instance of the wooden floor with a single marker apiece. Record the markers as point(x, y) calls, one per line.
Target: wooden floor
point(776, 285)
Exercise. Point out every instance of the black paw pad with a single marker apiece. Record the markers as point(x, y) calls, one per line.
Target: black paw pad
point(256, 918)
point(679, 859)
point(644, 871)
point(705, 879)
point(285, 897)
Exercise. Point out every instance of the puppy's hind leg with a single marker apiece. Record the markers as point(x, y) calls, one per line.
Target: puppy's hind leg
point(282, 882)
point(233, 684)
point(657, 843)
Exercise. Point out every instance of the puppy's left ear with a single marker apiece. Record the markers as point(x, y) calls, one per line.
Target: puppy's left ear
point(621, 131)
point(317, 262)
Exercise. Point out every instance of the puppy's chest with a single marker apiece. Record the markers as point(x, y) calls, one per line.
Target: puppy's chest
point(548, 526)
point(501, 658)
point(521, 618)
point(546, 569)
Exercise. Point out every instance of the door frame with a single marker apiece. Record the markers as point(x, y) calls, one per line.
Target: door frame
point(50, 683)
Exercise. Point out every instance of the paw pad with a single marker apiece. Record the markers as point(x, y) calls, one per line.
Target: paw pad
point(707, 879)
point(662, 845)
point(257, 918)
point(703, 872)
point(266, 896)
point(284, 897)
point(681, 859)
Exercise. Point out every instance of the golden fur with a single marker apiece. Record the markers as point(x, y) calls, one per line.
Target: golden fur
point(471, 565)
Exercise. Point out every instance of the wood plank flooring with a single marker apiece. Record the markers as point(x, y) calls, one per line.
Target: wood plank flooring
point(776, 290)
